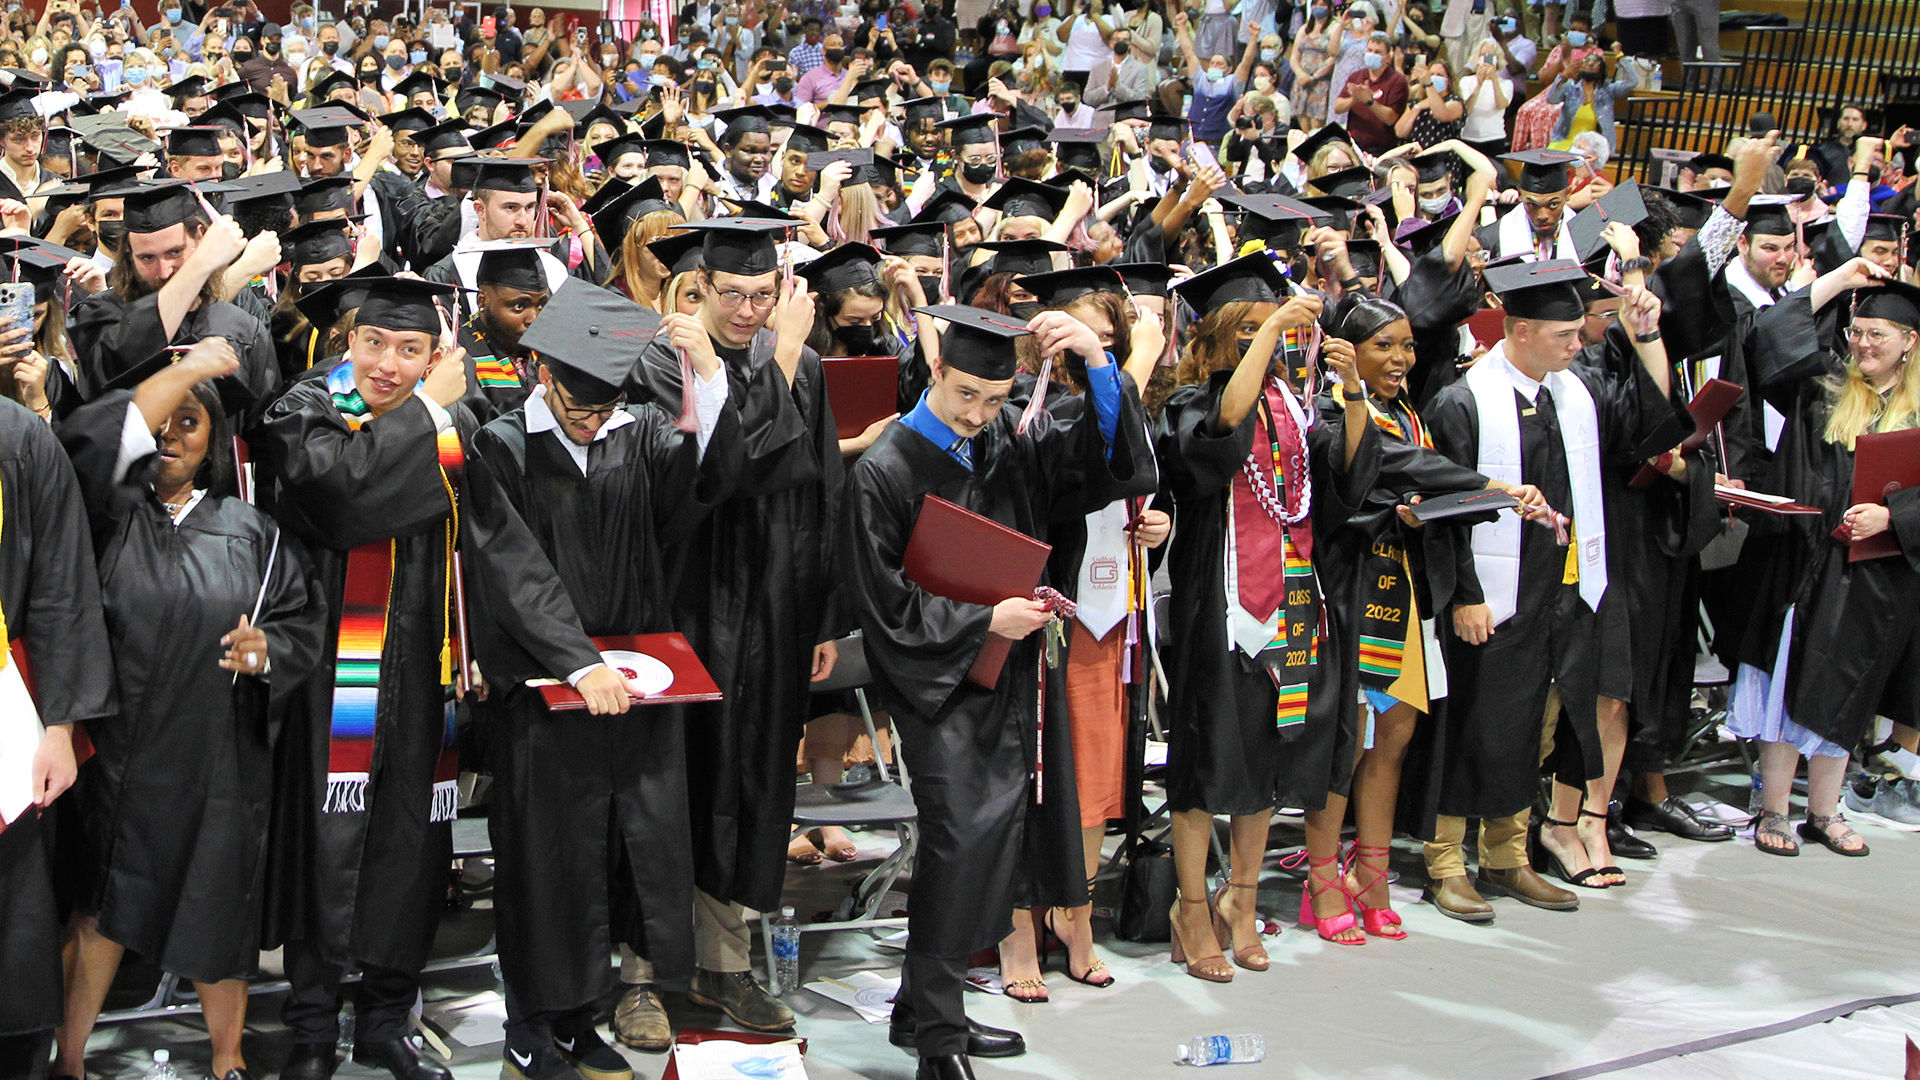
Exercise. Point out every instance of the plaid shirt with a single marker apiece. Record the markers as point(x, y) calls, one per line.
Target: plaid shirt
point(805, 58)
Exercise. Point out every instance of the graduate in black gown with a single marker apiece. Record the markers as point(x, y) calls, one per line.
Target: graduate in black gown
point(1263, 702)
point(970, 749)
point(512, 292)
point(1842, 630)
point(367, 457)
point(578, 501)
point(161, 290)
point(1524, 604)
point(174, 804)
point(751, 593)
point(317, 252)
point(50, 606)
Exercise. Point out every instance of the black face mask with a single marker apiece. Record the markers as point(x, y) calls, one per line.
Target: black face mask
point(330, 47)
point(783, 85)
point(1159, 164)
point(703, 87)
point(1121, 49)
point(272, 48)
point(1800, 186)
point(241, 56)
point(1594, 76)
point(111, 233)
point(834, 56)
point(930, 284)
point(229, 170)
point(1024, 310)
point(861, 340)
point(979, 173)
point(1240, 347)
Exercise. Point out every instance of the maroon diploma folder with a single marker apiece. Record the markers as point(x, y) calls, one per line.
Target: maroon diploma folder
point(1883, 464)
point(861, 389)
point(1709, 407)
point(690, 679)
point(957, 554)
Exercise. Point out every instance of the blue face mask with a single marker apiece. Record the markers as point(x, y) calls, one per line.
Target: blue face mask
point(1043, 11)
point(306, 23)
point(1375, 61)
point(733, 20)
point(1215, 74)
point(1269, 55)
point(173, 17)
point(1507, 26)
point(417, 56)
point(1439, 83)
point(136, 76)
point(1319, 13)
point(940, 87)
point(380, 41)
point(1576, 38)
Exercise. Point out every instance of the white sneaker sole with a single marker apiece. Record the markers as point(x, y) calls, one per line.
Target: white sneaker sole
point(1868, 817)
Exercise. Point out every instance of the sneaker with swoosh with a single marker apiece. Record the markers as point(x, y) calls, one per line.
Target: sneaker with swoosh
point(542, 1063)
point(590, 1056)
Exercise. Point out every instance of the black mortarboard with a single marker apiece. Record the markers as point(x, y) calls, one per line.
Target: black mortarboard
point(17, 104)
point(618, 204)
point(1428, 236)
point(1066, 178)
point(1886, 227)
point(1767, 216)
point(1022, 139)
point(418, 82)
point(328, 83)
point(324, 195)
point(1364, 257)
point(842, 114)
point(1622, 204)
point(1354, 183)
point(194, 142)
point(1078, 148)
point(748, 208)
point(110, 135)
point(1167, 127)
point(808, 139)
point(506, 86)
point(234, 394)
point(869, 89)
point(1136, 109)
point(1552, 290)
point(612, 150)
point(680, 252)
point(154, 205)
point(404, 304)
point(744, 120)
point(469, 96)
point(228, 91)
point(1272, 219)
point(250, 105)
point(861, 159)
point(588, 113)
point(317, 242)
point(783, 114)
point(323, 305)
point(325, 127)
point(1894, 301)
point(1311, 144)
point(1021, 256)
point(512, 264)
point(926, 108)
point(1145, 279)
point(1340, 209)
point(947, 206)
point(849, 265)
point(1542, 172)
point(743, 246)
point(190, 87)
point(913, 238)
point(1435, 165)
point(279, 187)
point(665, 152)
point(590, 338)
point(969, 129)
point(978, 342)
point(39, 268)
point(1692, 210)
point(495, 136)
point(409, 120)
point(106, 179)
point(1253, 278)
point(504, 174)
point(1058, 288)
point(1020, 197)
point(445, 135)
point(223, 114)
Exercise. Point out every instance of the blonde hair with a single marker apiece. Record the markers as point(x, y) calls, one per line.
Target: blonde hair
point(633, 278)
point(1857, 408)
point(1317, 167)
point(855, 214)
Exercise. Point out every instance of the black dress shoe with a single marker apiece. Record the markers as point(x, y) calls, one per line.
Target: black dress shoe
point(237, 1074)
point(310, 1061)
point(944, 1067)
point(1623, 843)
point(1672, 815)
point(982, 1041)
point(401, 1058)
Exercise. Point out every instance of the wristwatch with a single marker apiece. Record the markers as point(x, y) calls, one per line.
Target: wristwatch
point(1649, 337)
point(1638, 262)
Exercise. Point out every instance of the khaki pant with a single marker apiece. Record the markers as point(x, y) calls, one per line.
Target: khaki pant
point(1503, 841)
point(721, 941)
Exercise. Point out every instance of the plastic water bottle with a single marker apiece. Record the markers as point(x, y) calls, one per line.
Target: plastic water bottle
point(162, 1067)
point(1657, 79)
point(1221, 1050)
point(345, 1041)
point(786, 953)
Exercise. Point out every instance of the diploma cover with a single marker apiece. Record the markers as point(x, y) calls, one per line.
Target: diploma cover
point(1710, 406)
point(690, 679)
point(956, 554)
point(861, 389)
point(1883, 463)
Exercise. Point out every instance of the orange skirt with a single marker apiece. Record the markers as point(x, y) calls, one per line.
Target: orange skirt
point(1097, 707)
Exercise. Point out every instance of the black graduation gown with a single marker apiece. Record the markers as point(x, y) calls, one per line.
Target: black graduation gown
point(1855, 653)
point(560, 557)
point(1499, 689)
point(969, 750)
point(50, 595)
point(487, 401)
point(175, 802)
point(111, 336)
point(368, 886)
point(1226, 755)
point(428, 227)
point(1437, 301)
point(751, 594)
point(1345, 562)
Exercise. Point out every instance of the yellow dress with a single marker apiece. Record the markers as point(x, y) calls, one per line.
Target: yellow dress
point(1583, 120)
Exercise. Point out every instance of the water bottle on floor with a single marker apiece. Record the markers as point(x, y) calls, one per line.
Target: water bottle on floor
point(786, 953)
point(345, 1042)
point(1221, 1050)
point(162, 1067)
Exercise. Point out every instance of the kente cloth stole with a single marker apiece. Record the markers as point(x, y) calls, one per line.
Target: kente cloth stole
point(1392, 650)
point(1271, 506)
point(366, 616)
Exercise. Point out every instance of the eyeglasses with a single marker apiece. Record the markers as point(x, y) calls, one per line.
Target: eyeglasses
point(1875, 336)
point(733, 298)
point(978, 160)
point(592, 412)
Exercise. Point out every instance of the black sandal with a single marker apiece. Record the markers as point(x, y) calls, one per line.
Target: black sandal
point(1604, 871)
point(1555, 864)
point(1815, 829)
point(1775, 825)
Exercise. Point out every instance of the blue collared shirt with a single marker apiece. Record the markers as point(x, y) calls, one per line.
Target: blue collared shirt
point(1103, 386)
point(935, 430)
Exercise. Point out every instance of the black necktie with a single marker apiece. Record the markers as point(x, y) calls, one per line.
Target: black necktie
point(1543, 404)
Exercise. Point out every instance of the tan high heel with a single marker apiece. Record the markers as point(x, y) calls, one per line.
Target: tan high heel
point(1252, 957)
point(1210, 968)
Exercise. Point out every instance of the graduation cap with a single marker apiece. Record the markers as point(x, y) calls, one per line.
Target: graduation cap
point(1364, 256)
point(190, 87)
point(1059, 288)
point(1894, 301)
point(402, 304)
point(327, 85)
point(1078, 148)
point(1134, 109)
point(1692, 210)
point(679, 252)
point(1698, 164)
point(505, 85)
point(227, 91)
point(1435, 165)
point(1021, 256)
point(1891, 227)
point(968, 130)
point(947, 206)
point(512, 264)
point(1327, 135)
point(866, 165)
point(739, 245)
point(1428, 235)
point(325, 127)
point(612, 150)
point(869, 89)
point(110, 135)
point(495, 136)
point(1253, 278)
point(153, 205)
point(325, 195)
point(1022, 139)
point(1552, 290)
point(590, 338)
point(17, 104)
point(1020, 197)
point(618, 204)
point(1272, 219)
point(419, 82)
point(317, 242)
point(847, 266)
point(588, 113)
point(783, 114)
point(842, 114)
point(1167, 127)
point(807, 139)
point(1542, 172)
point(745, 120)
point(1339, 208)
point(977, 341)
point(1767, 215)
point(1354, 183)
point(279, 186)
point(469, 96)
point(1144, 279)
point(925, 108)
point(913, 238)
point(1622, 204)
point(503, 174)
point(235, 396)
point(40, 268)
point(194, 142)
point(223, 113)
point(324, 304)
point(408, 120)
point(1066, 178)
point(445, 135)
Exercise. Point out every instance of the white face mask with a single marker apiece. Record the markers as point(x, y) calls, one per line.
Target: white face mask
point(1436, 204)
point(38, 58)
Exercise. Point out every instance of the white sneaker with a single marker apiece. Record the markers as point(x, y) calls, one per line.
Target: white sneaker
point(1893, 805)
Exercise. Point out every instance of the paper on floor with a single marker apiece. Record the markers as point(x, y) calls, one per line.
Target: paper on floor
point(723, 1059)
point(868, 993)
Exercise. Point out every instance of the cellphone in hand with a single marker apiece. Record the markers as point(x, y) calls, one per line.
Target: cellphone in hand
point(16, 303)
point(880, 22)
point(487, 26)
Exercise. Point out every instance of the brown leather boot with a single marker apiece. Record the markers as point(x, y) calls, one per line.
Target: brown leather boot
point(1528, 887)
point(1455, 898)
point(640, 1020)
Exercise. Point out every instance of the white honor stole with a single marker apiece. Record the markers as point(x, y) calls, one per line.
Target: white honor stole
point(1102, 591)
point(1496, 545)
point(1516, 236)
